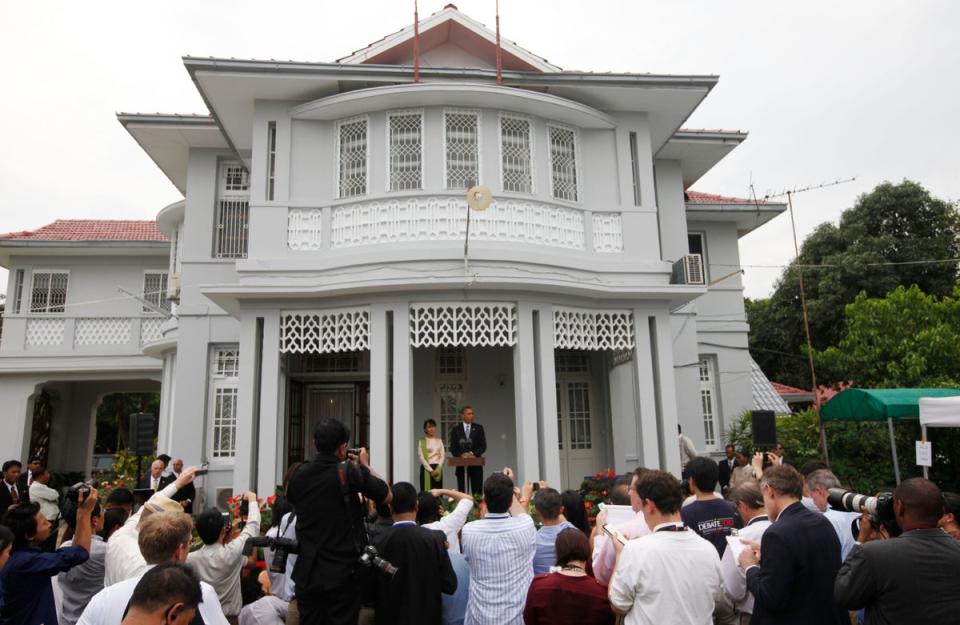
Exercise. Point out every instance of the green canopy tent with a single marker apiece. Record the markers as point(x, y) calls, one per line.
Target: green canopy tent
point(885, 404)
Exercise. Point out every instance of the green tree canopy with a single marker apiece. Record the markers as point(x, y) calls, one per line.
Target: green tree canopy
point(894, 223)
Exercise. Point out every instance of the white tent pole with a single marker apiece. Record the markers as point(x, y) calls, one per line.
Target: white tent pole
point(893, 450)
point(923, 437)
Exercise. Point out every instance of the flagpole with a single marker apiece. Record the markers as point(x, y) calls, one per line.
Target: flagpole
point(416, 42)
point(499, 50)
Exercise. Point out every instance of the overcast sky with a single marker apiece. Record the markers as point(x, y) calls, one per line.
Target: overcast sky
point(826, 89)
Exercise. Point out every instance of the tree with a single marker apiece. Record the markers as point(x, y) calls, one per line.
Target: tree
point(898, 223)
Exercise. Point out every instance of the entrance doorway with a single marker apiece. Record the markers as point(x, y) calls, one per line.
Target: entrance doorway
point(582, 444)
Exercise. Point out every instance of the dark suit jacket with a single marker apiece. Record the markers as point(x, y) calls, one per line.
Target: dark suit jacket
point(725, 472)
point(478, 440)
point(794, 585)
point(412, 596)
point(910, 579)
point(6, 500)
point(145, 482)
point(187, 492)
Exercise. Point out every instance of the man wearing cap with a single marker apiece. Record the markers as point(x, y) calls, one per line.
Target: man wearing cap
point(123, 559)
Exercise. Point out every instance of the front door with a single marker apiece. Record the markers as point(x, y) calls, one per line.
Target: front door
point(332, 401)
point(580, 445)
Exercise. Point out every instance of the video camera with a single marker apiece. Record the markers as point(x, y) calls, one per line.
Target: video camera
point(281, 547)
point(880, 508)
point(69, 501)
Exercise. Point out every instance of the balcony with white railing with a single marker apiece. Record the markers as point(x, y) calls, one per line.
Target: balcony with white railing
point(79, 335)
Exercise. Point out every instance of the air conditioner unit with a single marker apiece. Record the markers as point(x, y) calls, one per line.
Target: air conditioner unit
point(221, 497)
point(693, 269)
point(173, 287)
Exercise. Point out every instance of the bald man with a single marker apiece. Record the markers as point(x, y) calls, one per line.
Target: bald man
point(152, 479)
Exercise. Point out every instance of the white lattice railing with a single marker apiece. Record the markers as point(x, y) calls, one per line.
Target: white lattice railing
point(43, 332)
point(102, 331)
point(151, 330)
point(305, 229)
point(456, 324)
point(607, 233)
point(580, 328)
point(325, 331)
point(444, 219)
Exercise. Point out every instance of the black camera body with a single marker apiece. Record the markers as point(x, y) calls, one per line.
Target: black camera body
point(282, 548)
point(880, 507)
point(70, 501)
point(370, 558)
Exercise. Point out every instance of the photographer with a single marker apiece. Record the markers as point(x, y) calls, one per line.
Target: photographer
point(908, 579)
point(326, 496)
point(82, 582)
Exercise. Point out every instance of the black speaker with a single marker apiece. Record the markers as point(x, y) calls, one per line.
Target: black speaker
point(763, 425)
point(142, 432)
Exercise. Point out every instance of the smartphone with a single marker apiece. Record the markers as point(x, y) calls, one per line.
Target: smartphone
point(612, 532)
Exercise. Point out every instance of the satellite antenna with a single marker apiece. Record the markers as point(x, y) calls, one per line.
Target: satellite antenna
point(479, 198)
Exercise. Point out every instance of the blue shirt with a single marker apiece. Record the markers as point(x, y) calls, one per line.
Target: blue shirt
point(28, 594)
point(454, 607)
point(546, 554)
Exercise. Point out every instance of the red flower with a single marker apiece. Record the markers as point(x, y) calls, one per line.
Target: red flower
point(271, 499)
point(604, 493)
point(598, 476)
point(588, 505)
point(611, 473)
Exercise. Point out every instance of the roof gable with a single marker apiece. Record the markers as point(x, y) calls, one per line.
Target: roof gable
point(454, 38)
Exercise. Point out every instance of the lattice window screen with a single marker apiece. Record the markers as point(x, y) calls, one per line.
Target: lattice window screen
point(233, 212)
point(226, 362)
point(352, 153)
point(708, 401)
point(578, 411)
point(450, 396)
point(575, 328)
point(515, 154)
point(102, 331)
point(563, 163)
point(49, 293)
point(456, 324)
point(224, 444)
point(342, 330)
point(155, 290)
point(406, 151)
point(462, 149)
point(42, 332)
point(305, 229)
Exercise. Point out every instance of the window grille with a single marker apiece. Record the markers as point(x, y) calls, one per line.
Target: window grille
point(559, 419)
point(17, 292)
point(155, 290)
point(49, 293)
point(461, 139)
point(233, 212)
point(515, 154)
point(450, 396)
point(563, 163)
point(635, 168)
point(708, 401)
point(578, 411)
point(225, 384)
point(406, 151)
point(571, 361)
point(271, 158)
point(450, 361)
point(338, 362)
point(352, 153)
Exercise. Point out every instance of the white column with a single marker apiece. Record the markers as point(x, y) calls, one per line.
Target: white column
point(271, 425)
point(16, 397)
point(243, 464)
point(547, 391)
point(646, 400)
point(379, 391)
point(525, 397)
point(403, 438)
point(669, 450)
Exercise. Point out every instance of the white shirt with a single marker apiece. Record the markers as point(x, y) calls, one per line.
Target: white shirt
point(82, 582)
point(453, 523)
point(123, 551)
point(108, 605)
point(735, 578)
point(48, 499)
point(281, 584)
point(841, 522)
point(604, 554)
point(499, 549)
point(219, 565)
point(667, 578)
point(435, 453)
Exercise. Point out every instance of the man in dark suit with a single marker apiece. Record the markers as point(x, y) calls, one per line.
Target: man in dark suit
point(185, 495)
point(793, 585)
point(909, 579)
point(412, 595)
point(154, 479)
point(26, 477)
point(726, 467)
point(11, 492)
point(467, 440)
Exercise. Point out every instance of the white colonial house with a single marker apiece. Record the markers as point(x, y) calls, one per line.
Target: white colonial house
point(317, 267)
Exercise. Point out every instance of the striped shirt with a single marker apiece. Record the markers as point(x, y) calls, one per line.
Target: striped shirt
point(499, 549)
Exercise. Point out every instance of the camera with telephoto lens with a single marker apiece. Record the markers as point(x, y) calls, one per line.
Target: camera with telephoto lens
point(880, 508)
point(70, 501)
point(371, 558)
point(282, 548)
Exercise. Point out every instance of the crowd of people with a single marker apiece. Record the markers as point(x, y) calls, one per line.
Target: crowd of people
point(724, 544)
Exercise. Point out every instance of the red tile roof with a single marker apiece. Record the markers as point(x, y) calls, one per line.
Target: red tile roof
point(696, 197)
point(90, 230)
point(783, 389)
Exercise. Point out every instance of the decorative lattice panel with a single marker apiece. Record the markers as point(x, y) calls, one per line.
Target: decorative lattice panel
point(45, 332)
point(102, 331)
point(305, 229)
point(322, 332)
point(462, 149)
point(607, 233)
point(515, 154)
point(406, 151)
point(576, 328)
point(444, 219)
point(352, 157)
point(462, 324)
point(150, 330)
point(563, 163)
